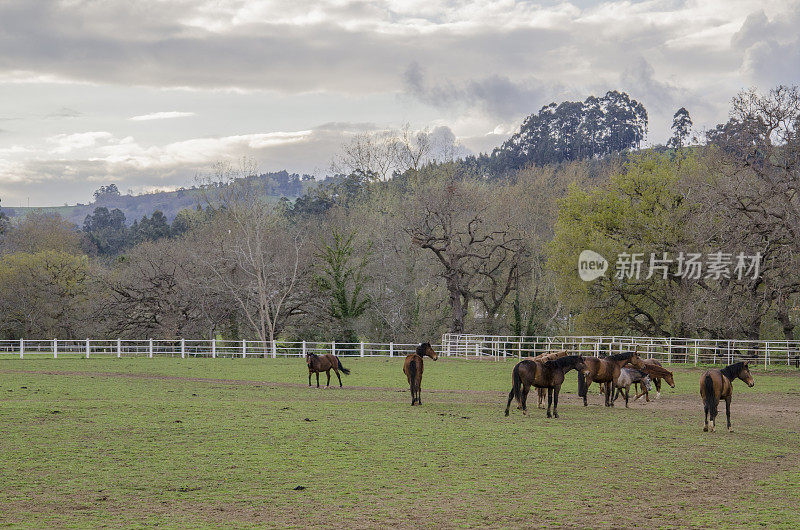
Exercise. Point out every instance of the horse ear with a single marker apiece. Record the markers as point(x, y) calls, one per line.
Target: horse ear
point(746, 364)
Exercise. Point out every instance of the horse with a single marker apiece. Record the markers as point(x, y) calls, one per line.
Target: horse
point(413, 370)
point(547, 374)
point(325, 363)
point(605, 370)
point(547, 356)
point(656, 373)
point(718, 384)
point(628, 376)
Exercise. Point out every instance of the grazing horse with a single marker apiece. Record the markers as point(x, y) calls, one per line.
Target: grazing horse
point(718, 384)
point(547, 374)
point(628, 376)
point(606, 370)
point(547, 356)
point(324, 363)
point(413, 370)
point(656, 373)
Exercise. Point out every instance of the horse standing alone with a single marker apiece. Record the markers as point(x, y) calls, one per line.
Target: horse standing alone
point(718, 384)
point(325, 363)
point(413, 370)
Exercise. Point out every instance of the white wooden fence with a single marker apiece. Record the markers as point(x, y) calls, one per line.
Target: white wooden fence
point(496, 347)
point(185, 348)
point(669, 349)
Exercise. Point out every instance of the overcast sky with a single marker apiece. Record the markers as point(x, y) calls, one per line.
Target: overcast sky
point(147, 93)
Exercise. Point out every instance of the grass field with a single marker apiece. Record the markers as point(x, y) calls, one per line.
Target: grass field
point(206, 442)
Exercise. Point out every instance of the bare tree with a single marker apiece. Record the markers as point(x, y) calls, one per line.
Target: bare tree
point(480, 255)
point(252, 255)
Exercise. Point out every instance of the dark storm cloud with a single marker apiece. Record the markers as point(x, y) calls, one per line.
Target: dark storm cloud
point(497, 95)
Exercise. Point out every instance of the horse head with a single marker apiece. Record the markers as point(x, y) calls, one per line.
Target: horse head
point(426, 349)
point(746, 376)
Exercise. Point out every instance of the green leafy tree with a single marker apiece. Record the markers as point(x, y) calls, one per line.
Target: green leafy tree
point(343, 279)
point(681, 129)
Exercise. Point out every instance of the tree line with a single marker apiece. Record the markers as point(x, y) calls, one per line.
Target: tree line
point(435, 244)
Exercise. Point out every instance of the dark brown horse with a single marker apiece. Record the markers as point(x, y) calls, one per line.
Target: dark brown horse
point(547, 374)
point(606, 370)
point(413, 370)
point(718, 384)
point(324, 363)
point(547, 356)
point(656, 373)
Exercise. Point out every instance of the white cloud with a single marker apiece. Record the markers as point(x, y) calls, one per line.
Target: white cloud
point(162, 116)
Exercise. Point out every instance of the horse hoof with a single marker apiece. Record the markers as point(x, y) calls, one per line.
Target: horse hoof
point(506, 413)
point(658, 395)
point(549, 415)
point(555, 415)
point(730, 429)
point(705, 429)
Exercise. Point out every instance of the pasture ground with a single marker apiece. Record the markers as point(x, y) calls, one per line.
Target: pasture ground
point(205, 442)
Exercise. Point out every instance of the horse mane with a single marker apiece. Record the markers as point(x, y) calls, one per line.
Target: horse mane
point(641, 374)
point(561, 362)
point(654, 370)
point(421, 348)
point(620, 356)
point(732, 371)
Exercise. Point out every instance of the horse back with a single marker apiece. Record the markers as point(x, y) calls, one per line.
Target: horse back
point(722, 387)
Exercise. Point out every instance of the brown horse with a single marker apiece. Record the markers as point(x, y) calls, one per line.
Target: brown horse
point(413, 370)
point(606, 370)
point(656, 373)
point(718, 384)
point(548, 374)
point(547, 356)
point(324, 363)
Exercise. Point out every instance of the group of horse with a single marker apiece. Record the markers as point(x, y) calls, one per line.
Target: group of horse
point(615, 374)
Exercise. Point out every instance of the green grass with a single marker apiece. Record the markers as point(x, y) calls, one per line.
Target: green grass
point(91, 449)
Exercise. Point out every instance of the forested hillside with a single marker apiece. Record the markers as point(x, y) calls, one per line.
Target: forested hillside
point(700, 239)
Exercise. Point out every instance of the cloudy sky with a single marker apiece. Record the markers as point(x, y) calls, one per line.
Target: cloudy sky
point(149, 93)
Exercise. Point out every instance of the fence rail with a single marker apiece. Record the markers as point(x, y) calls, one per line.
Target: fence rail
point(186, 348)
point(666, 349)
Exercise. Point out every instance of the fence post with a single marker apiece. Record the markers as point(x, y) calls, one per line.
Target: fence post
point(274, 349)
point(304, 349)
point(21, 347)
point(766, 355)
point(150, 348)
point(695, 352)
point(669, 351)
point(362, 348)
point(519, 350)
point(183, 348)
point(213, 348)
point(391, 349)
point(333, 347)
point(55, 346)
point(119, 348)
point(477, 350)
point(87, 348)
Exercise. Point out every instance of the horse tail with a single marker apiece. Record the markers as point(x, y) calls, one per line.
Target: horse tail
point(581, 384)
point(344, 370)
point(710, 400)
point(412, 372)
point(516, 384)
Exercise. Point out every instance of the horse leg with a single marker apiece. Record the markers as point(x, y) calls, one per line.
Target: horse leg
point(657, 381)
point(309, 379)
point(328, 373)
point(728, 412)
point(556, 390)
point(588, 383)
point(627, 394)
point(713, 417)
point(336, 371)
point(419, 393)
point(540, 391)
point(549, 401)
point(317, 379)
point(609, 392)
point(705, 409)
point(510, 398)
point(524, 401)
